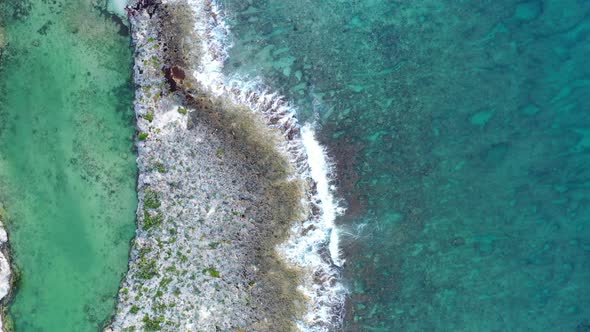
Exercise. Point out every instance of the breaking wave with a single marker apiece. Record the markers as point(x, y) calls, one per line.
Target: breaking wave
point(313, 245)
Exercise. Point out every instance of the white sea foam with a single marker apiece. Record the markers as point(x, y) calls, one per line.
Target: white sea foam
point(4, 269)
point(313, 245)
point(320, 170)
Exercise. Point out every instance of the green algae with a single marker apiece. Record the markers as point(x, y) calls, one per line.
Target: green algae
point(67, 171)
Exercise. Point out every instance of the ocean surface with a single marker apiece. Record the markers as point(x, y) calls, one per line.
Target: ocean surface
point(460, 131)
point(67, 168)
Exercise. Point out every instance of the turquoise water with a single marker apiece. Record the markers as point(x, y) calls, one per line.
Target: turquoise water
point(67, 168)
point(461, 132)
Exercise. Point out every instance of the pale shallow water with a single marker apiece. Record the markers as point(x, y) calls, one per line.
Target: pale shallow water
point(67, 168)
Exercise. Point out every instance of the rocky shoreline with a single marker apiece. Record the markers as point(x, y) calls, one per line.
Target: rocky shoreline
point(215, 197)
point(6, 275)
point(226, 193)
point(231, 232)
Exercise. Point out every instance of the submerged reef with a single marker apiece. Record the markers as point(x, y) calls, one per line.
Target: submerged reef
point(224, 183)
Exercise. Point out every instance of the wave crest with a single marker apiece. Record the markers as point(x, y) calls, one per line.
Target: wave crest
point(313, 245)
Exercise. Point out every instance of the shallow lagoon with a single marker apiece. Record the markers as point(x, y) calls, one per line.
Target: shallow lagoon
point(67, 167)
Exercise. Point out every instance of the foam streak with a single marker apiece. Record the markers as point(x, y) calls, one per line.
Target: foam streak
point(312, 238)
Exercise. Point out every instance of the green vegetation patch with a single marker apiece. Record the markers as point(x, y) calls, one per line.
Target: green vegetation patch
point(147, 268)
point(211, 272)
point(151, 199)
point(150, 221)
point(160, 167)
point(149, 116)
point(153, 324)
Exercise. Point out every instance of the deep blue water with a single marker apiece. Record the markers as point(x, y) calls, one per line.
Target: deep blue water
point(461, 132)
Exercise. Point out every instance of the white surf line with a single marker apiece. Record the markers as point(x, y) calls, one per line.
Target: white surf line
point(320, 171)
point(5, 272)
point(308, 239)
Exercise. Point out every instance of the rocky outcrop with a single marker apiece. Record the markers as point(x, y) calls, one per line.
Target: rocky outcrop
point(5, 270)
point(215, 197)
point(235, 219)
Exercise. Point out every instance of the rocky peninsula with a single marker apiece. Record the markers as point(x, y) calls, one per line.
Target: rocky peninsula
point(232, 230)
